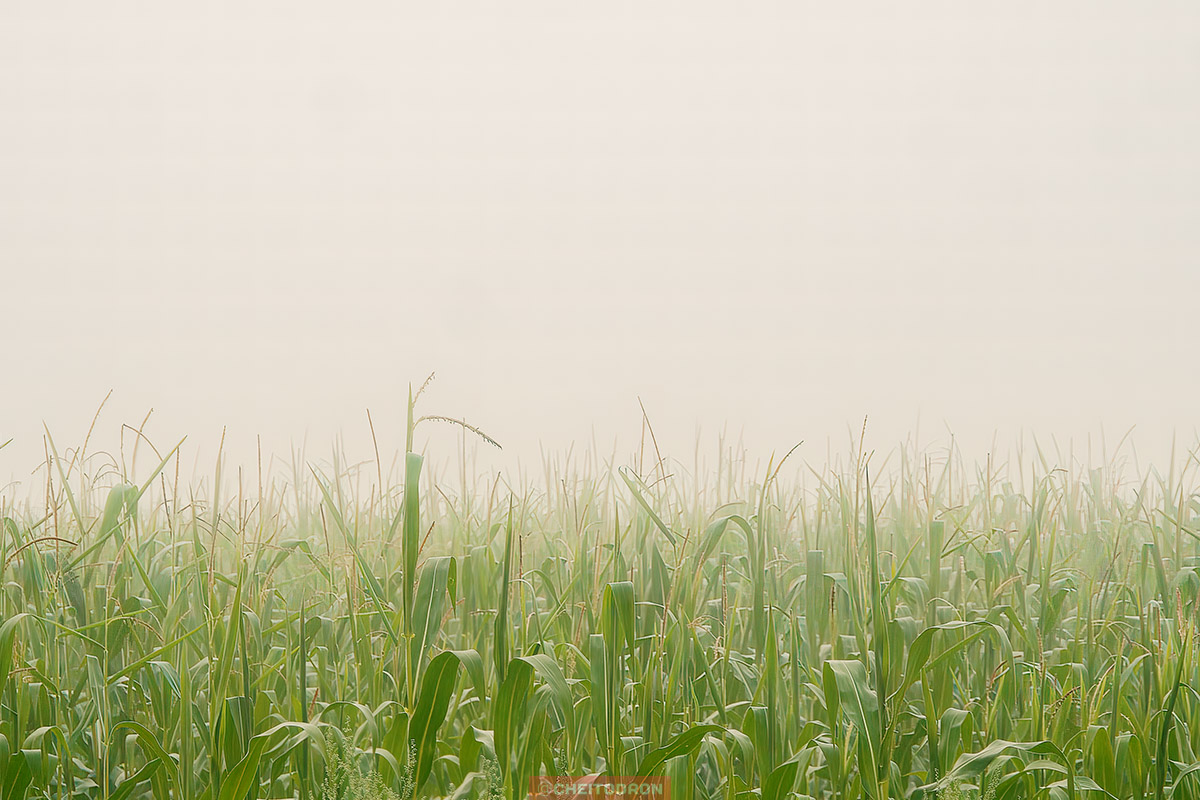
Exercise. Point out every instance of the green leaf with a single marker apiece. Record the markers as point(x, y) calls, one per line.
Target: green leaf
point(433, 591)
point(684, 743)
point(433, 699)
point(779, 783)
point(861, 707)
point(8, 633)
point(411, 527)
point(508, 711)
point(970, 766)
point(150, 744)
point(636, 487)
point(129, 784)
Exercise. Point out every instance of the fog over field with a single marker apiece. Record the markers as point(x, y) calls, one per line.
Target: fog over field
point(981, 218)
point(843, 358)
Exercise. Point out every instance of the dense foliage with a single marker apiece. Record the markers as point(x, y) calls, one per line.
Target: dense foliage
point(935, 633)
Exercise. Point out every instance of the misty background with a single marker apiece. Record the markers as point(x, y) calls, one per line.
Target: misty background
point(771, 220)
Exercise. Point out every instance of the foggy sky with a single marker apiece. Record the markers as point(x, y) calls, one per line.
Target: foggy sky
point(980, 217)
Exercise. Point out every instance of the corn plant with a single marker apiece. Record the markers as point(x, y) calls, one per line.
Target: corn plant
point(845, 632)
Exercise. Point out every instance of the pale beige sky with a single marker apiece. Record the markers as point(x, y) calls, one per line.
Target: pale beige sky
point(270, 216)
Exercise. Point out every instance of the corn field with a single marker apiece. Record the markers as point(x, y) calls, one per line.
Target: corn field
point(908, 627)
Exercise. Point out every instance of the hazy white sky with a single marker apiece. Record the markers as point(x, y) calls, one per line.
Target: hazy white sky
point(271, 216)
